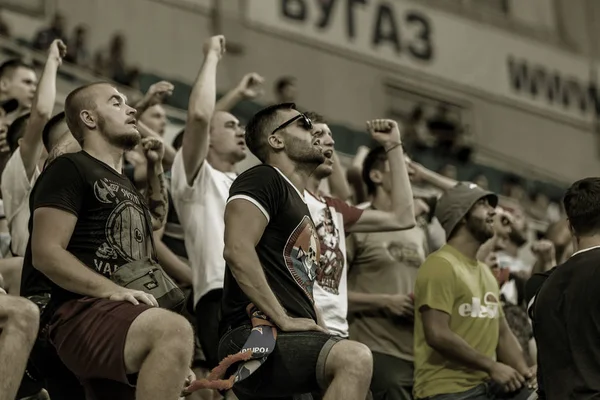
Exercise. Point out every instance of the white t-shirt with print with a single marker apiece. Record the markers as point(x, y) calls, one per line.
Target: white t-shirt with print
point(201, 211)
point(331, 218)
point(16, 189)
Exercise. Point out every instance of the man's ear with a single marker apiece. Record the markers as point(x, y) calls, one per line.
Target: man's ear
point(88, 119)
point(276, 142)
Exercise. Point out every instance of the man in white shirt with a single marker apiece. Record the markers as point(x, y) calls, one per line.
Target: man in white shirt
point(334, 218)
point(202, 173)
point(22, 168)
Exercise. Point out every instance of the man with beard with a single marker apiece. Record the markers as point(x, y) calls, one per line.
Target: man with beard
point(272, 252)
point(464, 348)
point(88, 220)
point(202, 173)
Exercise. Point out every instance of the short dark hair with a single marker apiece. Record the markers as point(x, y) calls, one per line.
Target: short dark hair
point(78, 100)
point(10, 66)
point(374, 160)
point(260, 126)
point(178, 141)
point(50, 125)
point(582, 205)
point(284, 81)
point(315, 117)
point(16, 130)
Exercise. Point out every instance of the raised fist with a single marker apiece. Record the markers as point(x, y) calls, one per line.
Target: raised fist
point(57, 50)
point(215, 45)
point(384, 131)
point(544, 250)
point(251, 85)
point(158, 92)
point(154, 149)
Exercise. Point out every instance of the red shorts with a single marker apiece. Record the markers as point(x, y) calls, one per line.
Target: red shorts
point(89, 335)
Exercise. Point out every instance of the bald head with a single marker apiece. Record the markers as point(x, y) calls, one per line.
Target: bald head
point(81, 99)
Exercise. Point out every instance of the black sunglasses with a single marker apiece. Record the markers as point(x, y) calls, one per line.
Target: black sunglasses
point(306, 123)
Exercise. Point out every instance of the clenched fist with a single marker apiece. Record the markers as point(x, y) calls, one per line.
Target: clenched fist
point(544, 250)
point(385, 132)
point(215, 45)
point(251, 85)
point(158, 92)
point(154, 149)
point(57, 51)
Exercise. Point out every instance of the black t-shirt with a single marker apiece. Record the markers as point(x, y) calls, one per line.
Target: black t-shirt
point(288, 250)
point(567, 329)
point(533, 286)
point(113, 222)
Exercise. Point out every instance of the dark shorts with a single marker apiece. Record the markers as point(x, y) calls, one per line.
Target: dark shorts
point(296, 365)
point(208, 314)
point(89, 336)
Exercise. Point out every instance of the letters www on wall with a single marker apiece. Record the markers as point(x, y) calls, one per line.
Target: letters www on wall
point(443, 46)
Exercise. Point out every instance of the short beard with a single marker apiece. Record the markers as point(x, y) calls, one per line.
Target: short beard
point(478, 231)
point(303, 155)
point(517, 238)
point(125, 142)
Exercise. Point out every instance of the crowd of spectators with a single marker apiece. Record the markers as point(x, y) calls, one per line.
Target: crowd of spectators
point(384, 279)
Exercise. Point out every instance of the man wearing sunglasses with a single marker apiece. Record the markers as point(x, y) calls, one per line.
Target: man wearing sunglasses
point(272, 252)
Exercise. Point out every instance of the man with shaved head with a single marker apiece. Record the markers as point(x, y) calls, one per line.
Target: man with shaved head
point(202, 173)
point(88, 221)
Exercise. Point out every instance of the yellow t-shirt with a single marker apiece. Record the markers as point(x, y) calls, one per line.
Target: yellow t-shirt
point(466, 290)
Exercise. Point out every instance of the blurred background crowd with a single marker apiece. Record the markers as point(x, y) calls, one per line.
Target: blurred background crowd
point(501, 93)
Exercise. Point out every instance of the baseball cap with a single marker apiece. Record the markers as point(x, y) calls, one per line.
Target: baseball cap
point(456, 203)
point(9, 105)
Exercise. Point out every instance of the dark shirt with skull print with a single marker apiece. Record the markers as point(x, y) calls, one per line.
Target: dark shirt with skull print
point(289, 249)
point(113, 221)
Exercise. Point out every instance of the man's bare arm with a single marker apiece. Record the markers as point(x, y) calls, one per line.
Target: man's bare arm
point(436, 326)
point(157, 196)
point(49, 239)
point(172, 265)
point(402, 216)
point(170, 151)
point(244, 226)
point(200, 109)
point(509, 350)
point(41, 109)
point(248, 88)
point(156, 94)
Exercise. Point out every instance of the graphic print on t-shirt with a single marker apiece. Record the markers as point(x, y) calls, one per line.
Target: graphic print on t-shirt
point(125, 229)
point(406, 253)
point(302, 252)
point(331, 265)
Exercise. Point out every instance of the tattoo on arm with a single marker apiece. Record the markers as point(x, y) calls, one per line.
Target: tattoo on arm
point(157, 196)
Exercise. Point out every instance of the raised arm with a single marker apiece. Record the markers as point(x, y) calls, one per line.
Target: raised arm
point(170, 151)
point(250, 87)
point(431, 177)
point(201, 108)
point(156, 195)
point(402, 215)
point(156, 94)
point(41, 109)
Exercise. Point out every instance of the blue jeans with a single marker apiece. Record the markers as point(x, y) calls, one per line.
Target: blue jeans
point(485, 391)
